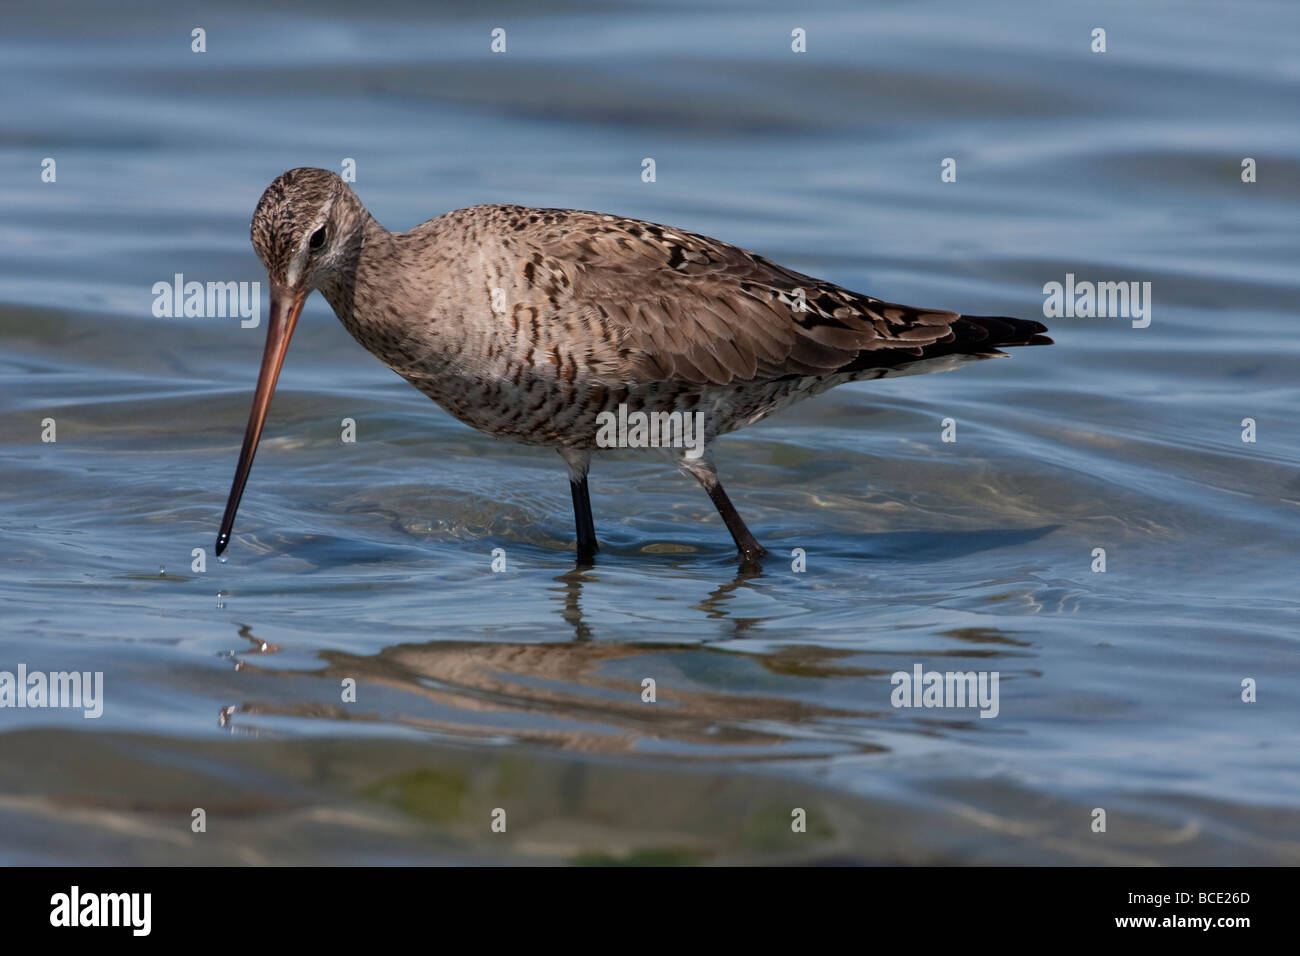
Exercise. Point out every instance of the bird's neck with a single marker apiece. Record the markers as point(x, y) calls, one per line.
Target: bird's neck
point(356, 292)
point(387, 291)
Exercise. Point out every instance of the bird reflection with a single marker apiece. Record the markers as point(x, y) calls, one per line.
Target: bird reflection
point(590, 688)
point(589, 692)
point(714, 607)
point(571, 600)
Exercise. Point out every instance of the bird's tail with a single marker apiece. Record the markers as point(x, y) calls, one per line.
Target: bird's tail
point(970, 337)
point(985, 332)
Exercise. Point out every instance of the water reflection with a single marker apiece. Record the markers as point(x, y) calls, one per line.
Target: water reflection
point(592, 690)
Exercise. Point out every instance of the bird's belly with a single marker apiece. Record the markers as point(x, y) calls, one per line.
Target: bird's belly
point(538, 409)
point(531, 409)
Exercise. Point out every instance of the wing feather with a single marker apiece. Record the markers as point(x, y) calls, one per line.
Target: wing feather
point(701, 311)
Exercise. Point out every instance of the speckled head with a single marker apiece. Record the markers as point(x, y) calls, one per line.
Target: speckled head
point(307, 227)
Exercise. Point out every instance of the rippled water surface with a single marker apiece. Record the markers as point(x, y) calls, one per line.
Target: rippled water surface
point(521, 690)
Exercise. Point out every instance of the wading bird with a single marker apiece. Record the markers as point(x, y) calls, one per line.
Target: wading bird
point(530, 323)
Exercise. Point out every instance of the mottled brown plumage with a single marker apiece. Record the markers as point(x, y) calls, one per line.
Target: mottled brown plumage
point(529, 323)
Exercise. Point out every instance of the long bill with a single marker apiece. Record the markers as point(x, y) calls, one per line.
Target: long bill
point(285, 309)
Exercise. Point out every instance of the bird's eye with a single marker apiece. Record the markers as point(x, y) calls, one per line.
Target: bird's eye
point(317, 239)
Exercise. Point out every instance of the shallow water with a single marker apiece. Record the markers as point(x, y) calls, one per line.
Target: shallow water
point(522, 690)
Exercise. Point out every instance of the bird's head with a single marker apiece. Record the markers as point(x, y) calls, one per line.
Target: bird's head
point(307, 230)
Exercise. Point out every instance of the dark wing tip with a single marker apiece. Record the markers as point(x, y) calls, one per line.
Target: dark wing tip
point(1003, 330)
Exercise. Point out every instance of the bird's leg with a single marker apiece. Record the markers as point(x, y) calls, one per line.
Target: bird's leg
point(582, 518)
point(746, 544)
point(579, 462)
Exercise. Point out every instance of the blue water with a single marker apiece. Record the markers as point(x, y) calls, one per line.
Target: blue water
point(522, 690)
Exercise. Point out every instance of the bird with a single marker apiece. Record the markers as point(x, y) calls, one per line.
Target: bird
point(543, 326)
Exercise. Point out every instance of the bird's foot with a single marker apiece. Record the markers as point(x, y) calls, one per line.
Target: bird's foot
point(751, 556)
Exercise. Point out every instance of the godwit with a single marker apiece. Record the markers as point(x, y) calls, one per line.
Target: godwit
point(530, 323)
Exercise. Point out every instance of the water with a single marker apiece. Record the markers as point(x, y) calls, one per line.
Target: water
point(522, 690)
